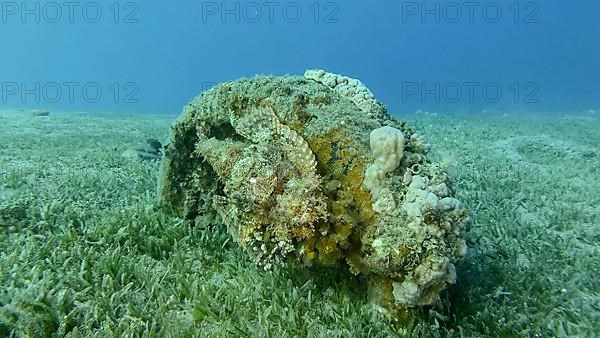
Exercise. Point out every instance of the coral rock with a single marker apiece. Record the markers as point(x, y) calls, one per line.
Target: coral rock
point(296, 171)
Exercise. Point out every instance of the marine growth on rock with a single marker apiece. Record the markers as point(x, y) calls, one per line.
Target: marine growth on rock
point(298, 170)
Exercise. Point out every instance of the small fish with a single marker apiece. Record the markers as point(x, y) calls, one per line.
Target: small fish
point(304, 155)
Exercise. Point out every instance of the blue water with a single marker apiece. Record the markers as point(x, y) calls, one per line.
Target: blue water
point(154, 56)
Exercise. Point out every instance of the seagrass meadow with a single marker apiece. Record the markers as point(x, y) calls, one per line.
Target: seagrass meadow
point(85, 251)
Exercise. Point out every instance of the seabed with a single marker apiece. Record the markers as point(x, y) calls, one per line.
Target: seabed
point(85, 251)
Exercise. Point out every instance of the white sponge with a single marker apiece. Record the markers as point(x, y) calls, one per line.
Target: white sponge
point(354, 89)
point(387, 145)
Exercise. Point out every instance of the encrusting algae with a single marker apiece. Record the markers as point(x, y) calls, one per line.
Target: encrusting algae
point(314, 170)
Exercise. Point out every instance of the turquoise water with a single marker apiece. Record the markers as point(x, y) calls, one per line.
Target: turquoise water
point(431, 55)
